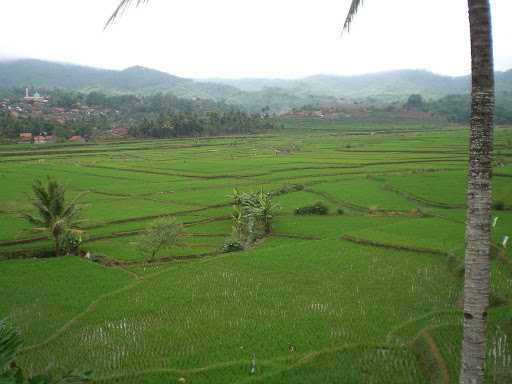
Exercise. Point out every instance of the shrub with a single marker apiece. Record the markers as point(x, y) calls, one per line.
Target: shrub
point(289, 188)
point(318, 208)
point(340, 211)
point(71, 241)
point(498, 205)
point(232, 246)
point(253, 213)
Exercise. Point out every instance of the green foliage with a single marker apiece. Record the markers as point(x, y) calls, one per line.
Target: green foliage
point(55, 215)
point(232, 246)
point(289, 188)
point(10, 341)
point(160, 235)
point(11, 127)
point(70, 241)
point(498, 205)
point(157, 116)
point(196, 123)
point(415, 103)
point(457, 108)
point(10, 373)
point(253, 213)
point(318, 208)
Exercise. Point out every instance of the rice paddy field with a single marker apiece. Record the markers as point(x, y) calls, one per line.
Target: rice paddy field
point(370, 293)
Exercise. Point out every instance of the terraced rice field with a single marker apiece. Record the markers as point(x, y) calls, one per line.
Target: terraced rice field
point(368, 296)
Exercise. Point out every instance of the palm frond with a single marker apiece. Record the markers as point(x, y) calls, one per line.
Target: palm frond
point(123, 5)
point(34, 220)
point(10, 341)
point(73, 210)
point(354, 7)
point(43, 211)
point(40, 192)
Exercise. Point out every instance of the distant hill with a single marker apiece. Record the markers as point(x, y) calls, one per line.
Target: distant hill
point(138, 80)
point(254, 94)
point(390, 84)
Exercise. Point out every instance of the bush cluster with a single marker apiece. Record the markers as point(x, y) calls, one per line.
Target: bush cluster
point(289, 188)
point(498, 205)
point(318, 208)
point(252, 215)
point(232, 246)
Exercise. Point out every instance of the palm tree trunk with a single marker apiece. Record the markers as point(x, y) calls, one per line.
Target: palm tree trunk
point(57, 247)
point(478, 222)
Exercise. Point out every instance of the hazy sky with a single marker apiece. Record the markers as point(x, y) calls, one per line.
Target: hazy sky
point(242, 38)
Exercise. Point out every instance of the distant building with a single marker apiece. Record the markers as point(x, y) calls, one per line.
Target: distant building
point(76, 139)
point(25, 138)
point(35, 98)
point(40, 139)
point(119, 132)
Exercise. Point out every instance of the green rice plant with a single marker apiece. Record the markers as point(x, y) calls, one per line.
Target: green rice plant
point(11, 373)
point(305, 302)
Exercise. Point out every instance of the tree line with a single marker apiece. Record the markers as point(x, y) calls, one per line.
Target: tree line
point(156, 116)
point(457, 108)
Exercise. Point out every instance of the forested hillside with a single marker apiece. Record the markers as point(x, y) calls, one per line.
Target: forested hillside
point(281, 94)
point(139, 80)
point(442, 96)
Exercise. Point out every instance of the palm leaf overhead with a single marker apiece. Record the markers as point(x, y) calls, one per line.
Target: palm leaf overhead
point(123, 5)
point(354, 7)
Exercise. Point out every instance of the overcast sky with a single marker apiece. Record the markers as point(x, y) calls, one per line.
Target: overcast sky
point(243, 38)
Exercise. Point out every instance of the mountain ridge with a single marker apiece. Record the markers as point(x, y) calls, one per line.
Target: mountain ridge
point(253, 92)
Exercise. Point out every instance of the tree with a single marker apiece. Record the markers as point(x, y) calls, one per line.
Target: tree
point(160, 234)
point(252, 215)
point(415, 103)
point(263, 210)
point(53, 214)
point(479, 200)
point(10, 373)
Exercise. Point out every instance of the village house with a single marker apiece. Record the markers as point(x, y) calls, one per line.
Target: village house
point(25, 138)
point(40, 139)
point(119, 132)
point(76, 139)
point(43, 139)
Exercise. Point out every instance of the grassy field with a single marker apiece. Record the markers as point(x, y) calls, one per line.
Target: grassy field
point(369, 293)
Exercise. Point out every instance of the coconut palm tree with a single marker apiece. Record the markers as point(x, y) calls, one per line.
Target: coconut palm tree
point(53, 214)
point(478, 221)
point(478, 218)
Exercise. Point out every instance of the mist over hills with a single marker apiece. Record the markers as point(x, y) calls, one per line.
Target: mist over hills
point(396, 83)
point(133, 80)
point(251, 93)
